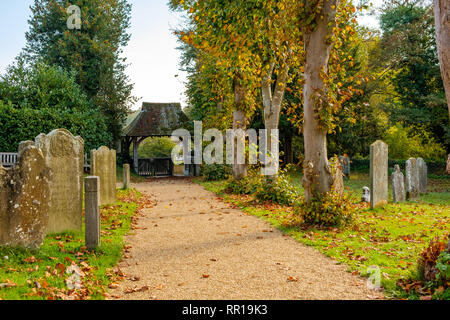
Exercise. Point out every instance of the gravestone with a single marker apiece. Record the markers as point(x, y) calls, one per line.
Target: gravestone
point(366, 195)
point(126, 176)
point(412, 179)
point(447, 169)
point(345, 162)
point(92, 210)
point(103, 165)
point(378, 174)
point(423, 175)
point(338, 180)
point(398, 185)
point(25, 196)
point(64, 156)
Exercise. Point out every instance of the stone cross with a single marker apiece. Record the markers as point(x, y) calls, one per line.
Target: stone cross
point(412, 179)
point(24, 200)
point(423, 175)
point(103, 165)
point(92, 212)
point(378, 174)
point(366, 195)
point(398, 185)
point(126, 176)
point(64, 156)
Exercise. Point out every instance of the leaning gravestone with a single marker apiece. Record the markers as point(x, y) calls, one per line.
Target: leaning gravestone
point(398, 185)
point(423, 175)
point(64, 156)
point(412, 179)
point(25, 187)
point(378, 174)
point(103, 165)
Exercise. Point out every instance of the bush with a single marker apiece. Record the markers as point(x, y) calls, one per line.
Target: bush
point(434, 263)
point(157, 147)
point(330, 210)
point(214, 172)
point(279, 191)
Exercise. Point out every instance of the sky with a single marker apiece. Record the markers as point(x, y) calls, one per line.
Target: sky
point(151, 52)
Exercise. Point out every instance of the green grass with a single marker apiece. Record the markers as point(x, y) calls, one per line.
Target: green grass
point(43, 274)
point(391, 237)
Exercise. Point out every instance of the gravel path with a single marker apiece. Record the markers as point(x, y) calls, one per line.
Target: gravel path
point(192, 245)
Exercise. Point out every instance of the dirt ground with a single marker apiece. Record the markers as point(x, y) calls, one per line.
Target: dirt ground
point(192, 245)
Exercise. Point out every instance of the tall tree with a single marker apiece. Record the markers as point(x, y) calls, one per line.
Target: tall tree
point(94, 51)
point(442, 20)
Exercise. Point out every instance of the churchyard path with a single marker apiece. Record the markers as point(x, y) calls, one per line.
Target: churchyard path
point(192, 245)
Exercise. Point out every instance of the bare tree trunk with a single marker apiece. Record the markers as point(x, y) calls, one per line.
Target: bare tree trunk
point(442, 18)
point(239, 122)
point(317, 177)
point(272, 101)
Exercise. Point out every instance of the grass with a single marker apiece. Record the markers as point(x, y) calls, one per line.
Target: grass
point(390, 238)
point(27, 275)
point(133, 176)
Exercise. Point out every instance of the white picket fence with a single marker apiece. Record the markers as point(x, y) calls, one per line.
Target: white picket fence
point(8, 159)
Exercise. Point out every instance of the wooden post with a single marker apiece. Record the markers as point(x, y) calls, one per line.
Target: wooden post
point(92, 212)
point(126, 176)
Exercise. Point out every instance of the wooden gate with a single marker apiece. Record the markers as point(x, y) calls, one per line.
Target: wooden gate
point(155, 167)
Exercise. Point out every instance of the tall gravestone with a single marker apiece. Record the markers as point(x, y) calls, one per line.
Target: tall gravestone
point(423, 175)
point(103, 165)
point(338, 181)
point(24, 196)
point(92, 217)
point(378, 174)
point(64, 156)
point(398, 185)
point(126, 176)
point(412, 179)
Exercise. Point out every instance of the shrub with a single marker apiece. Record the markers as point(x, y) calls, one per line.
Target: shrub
point(156, 147)
point(214, 172)
point(330, 210)
point(278, 190)
point(434, 263)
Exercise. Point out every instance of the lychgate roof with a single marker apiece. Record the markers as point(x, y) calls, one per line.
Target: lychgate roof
point(155, 119)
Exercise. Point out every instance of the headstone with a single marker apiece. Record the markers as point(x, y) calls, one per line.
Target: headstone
point(412, 179)
point(64, 156)
point(345, 161)
point(398, 185)
point(92, 212)
point(366, 195)
point(423, 175)
point(338, 180)
point(126, 176)
point(378, 174)
point(25, 196)
point(103, 165)
point(447, 169)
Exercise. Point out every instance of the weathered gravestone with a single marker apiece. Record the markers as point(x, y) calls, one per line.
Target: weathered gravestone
point(126, 176)
point(398, 185)
point(24, 200)
point(64, 156)
point(423, 175)
point(103, 165)
point(338, 181)
point(92, 217)
point(378, 174)
point(345, 161)
point(366, 195)
point(447, 169)
point(412, 179)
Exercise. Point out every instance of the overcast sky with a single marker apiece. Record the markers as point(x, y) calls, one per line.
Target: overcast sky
point(151, 51)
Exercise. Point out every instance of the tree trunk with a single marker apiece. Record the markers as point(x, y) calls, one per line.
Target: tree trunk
point(442, 19)
point(239, 122)
point(317, 177)
point(272, 102)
